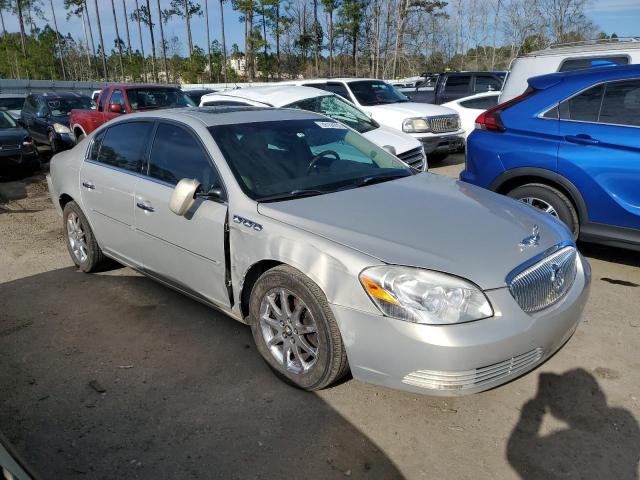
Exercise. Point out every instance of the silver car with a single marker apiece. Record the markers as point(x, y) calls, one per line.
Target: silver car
point(337, 255)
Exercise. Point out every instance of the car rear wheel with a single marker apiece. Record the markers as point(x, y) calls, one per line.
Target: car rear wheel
point(81, 242)
point(550, 200)
point(295, 331)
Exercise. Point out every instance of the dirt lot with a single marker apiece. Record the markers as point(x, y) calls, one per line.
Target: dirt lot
point(114, 376)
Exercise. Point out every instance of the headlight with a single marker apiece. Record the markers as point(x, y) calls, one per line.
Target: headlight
point(424, 296)
point(415, 125)
point(60, 128)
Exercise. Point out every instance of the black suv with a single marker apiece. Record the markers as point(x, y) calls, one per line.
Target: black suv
point(46, 117)
point(454, 85)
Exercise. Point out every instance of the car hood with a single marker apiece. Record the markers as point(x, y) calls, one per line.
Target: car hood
point(12, 136)
point(62, 120)
point(427, 221)
point(383, 136)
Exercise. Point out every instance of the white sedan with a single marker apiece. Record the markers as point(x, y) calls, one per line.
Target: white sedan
point(470, 107)
point(402, 145)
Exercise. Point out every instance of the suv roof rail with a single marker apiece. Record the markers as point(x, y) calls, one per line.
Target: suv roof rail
point(594, 41)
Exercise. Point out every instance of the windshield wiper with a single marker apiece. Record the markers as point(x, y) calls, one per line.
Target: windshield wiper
point(310, 192)
point(379, 178)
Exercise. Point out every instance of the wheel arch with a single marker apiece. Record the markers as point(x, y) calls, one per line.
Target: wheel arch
point(77, 127)
point(63, 199)
point(518, 177)
point(254, 272)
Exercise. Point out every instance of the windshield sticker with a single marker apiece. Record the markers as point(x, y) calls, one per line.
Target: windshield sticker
point(331, 125)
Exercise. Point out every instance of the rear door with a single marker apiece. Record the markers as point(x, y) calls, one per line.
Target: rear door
point(107, 182)
point(455, 86)
point(186, 251)
point(601, 151)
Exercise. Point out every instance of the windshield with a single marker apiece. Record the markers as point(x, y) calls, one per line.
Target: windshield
point(338, 109)
point(376, 92)
point(12, 103)
point(146, 98)
point(61, 107)
point(284, 159)
point(7, 121)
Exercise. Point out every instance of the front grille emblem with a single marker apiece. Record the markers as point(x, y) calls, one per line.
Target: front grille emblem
point(557, 278)
point(532, 240)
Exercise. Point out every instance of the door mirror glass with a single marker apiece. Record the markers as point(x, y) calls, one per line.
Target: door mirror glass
point(183, 196)
point(115, 108)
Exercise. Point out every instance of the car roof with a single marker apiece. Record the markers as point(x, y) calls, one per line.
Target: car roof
point(609, 47)
point(586, 76)
point(224, 115)
point(275, 96)
point(60, 95)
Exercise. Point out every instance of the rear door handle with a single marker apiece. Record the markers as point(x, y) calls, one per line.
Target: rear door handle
point(581, 139)
point(88, 185)
point(146, 206)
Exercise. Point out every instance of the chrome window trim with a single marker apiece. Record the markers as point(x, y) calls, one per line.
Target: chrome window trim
point(603, 82)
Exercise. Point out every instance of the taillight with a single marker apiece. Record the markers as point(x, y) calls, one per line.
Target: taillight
point(491, 121)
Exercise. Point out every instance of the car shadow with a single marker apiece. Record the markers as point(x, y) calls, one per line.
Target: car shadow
point(13, 188)
point(115, 376)
point(610, 254)
point(597, 441)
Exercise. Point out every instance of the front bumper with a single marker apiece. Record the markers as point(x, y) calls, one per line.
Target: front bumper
point(460, 359)
point(18, 158)
point(64, 141)
point(442, 143)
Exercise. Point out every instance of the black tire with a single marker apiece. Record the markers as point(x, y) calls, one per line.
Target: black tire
point(53, 143)
point(331, 361)
point(435, 158)
point(95, 259)
point(80, 137)
point(554, 197)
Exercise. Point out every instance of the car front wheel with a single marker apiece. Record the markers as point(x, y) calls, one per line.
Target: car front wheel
point(81, 242)
point(550, 200)
point(295, 331)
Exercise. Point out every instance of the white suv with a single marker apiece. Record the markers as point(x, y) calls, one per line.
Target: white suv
point(436, 127)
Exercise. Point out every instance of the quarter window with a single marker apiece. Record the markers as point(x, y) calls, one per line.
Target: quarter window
point(487, 83)
point(584, 107)
point(582, 63)
point(621, 103)
point(125, 144)
point(176, 154)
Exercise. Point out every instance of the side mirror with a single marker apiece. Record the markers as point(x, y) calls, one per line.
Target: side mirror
point(183, 196)
point(115, 108)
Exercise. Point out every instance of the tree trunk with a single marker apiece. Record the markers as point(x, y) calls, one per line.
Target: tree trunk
point(4, 30)
point(55, 25)
point(316, 46)
point(188, 20)
point(153, 45)
point(93, 45)
point(277, 32)
point(224, 42)
point(144, 59)
point(206, 14)
point(104, 56)
point(164, 47)
point(21, 23)
point(118, 41)
point(86, 40)
point(402, 14)
point(331, 40)
point(126, 23)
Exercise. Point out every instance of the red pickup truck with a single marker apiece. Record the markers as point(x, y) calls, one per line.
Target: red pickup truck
point(118, 100)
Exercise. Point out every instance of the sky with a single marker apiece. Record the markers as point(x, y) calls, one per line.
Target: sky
point(619, 16)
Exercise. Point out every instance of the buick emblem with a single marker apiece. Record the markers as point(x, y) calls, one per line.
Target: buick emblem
point(532, 240)
point(557, 279)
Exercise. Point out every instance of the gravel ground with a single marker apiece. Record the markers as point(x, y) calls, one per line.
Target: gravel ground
point(114, 376)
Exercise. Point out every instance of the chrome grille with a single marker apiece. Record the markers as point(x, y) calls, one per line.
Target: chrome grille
point(545, 282)
point(415, 158)
point(479, 377)
point(444, 123)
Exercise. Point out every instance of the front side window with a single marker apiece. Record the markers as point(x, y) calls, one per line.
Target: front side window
point(125, 144)
point(338, 109)
point(61, 107)
point(12, 103)
point(29, 104)
point(150, 98)
point(282, 159)
point(116, 97)
point(621, 103)
point(176, 154)
point(584, 107)
point(376, 92)
point(457, 83)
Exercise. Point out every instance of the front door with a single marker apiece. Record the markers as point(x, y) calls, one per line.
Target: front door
point(186, 251)
point(107, 181)
point(600, 150)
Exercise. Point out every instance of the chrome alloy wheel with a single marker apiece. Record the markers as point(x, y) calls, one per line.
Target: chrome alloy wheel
point(540, 205)
point(77, 237)
point(289, 330)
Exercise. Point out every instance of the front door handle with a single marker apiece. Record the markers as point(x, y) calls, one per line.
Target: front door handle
point(146, 206)
point(581, 139)
point(88, 185)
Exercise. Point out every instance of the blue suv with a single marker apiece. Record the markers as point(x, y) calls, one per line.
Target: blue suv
point(570, 145)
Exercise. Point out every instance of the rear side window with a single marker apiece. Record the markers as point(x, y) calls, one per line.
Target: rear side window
point(584, 107)
point(125, 144)
point(487, 83)
point(572, 64)
point(176, 154)
point(458, 83)
point(482, 103)
point(621, 103)
point(95, 146)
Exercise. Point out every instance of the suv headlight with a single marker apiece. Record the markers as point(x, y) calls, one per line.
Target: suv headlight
point(415, 125)
point(424, 296)
point(60, 128)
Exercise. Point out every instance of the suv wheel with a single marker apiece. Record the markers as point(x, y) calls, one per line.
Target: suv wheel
point(551, 201)
point(53, 143)
point(295, 331)
point(81, 242)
